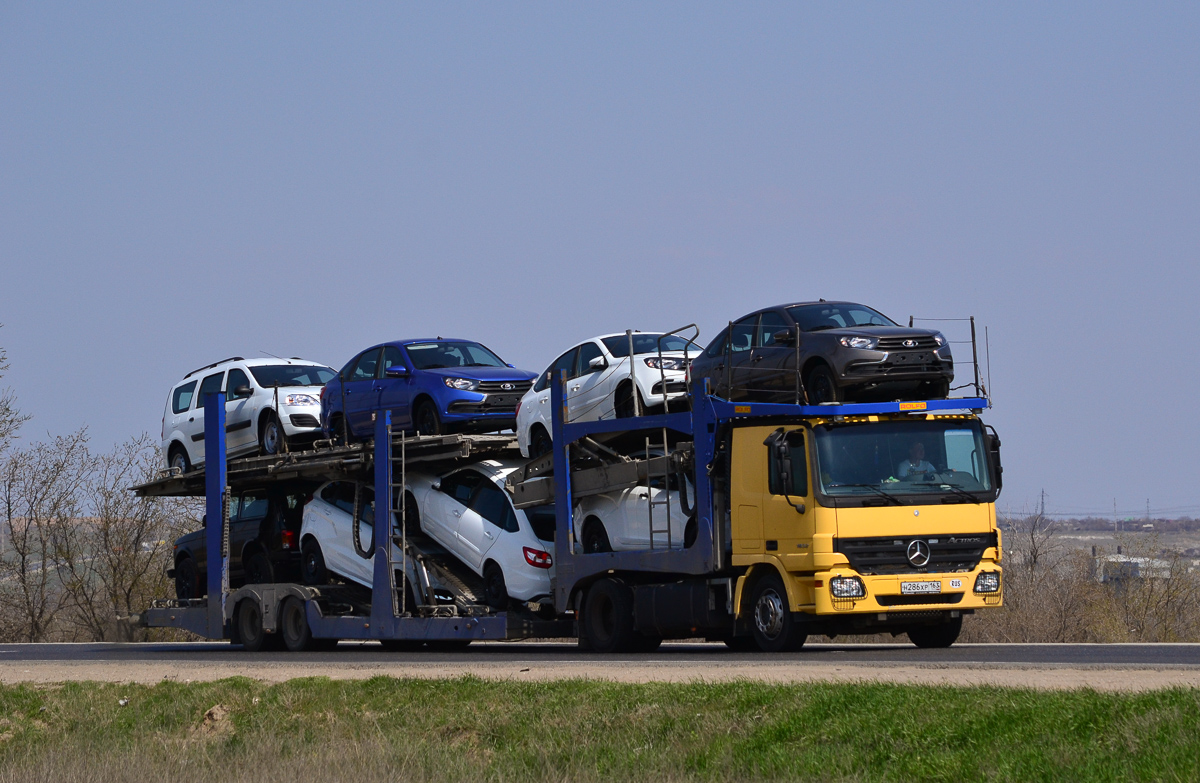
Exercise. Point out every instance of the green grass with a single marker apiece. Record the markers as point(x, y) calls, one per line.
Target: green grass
point(470, 729)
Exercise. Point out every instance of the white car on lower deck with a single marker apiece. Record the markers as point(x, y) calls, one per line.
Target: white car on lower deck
point(621, 521)
point(602, 385)
point(467, 512)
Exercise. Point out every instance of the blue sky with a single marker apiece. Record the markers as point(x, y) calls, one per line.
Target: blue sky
point(180, 183)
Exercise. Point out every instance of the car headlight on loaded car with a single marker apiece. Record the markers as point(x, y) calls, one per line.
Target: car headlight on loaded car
point(847, 587)
point(301, 399)
point(940, 339)
point(987, 582)
point(462, 384)
point(666, 363)
point(864, 343)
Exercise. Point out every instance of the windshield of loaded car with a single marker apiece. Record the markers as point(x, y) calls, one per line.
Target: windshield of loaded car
point(818, 317)
point(920, 457)
point(618, 346)
point(270, 375)
point(436, 355)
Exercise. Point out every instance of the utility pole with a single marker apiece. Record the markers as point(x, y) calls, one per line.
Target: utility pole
point(1042, 509)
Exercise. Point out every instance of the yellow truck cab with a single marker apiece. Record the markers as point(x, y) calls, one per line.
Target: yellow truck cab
point(861, 524)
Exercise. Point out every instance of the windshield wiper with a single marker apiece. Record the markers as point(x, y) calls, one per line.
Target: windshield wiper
point(962, 493)
point(874, 489)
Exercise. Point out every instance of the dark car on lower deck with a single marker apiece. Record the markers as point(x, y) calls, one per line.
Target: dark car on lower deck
point(843, 352)
point(264, 543)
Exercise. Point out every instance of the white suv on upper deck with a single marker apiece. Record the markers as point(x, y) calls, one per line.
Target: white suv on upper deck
point(267, 400)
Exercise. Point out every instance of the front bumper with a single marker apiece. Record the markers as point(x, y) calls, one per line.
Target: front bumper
point(884, 595)
point(860, 366)
point(300, 419)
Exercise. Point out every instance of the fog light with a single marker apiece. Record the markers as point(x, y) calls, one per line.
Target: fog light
point(987, 582)
point(847, 587)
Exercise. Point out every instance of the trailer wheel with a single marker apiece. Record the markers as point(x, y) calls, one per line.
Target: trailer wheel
point(771, 620)
point(312, 563)
point(607, 621)
point(250, 627)
point(934, 636)
point(293, 626)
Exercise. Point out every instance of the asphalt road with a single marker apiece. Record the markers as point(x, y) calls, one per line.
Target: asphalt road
point(694, 655)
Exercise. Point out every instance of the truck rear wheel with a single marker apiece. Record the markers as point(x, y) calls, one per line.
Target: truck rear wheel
point(250, 627)
point(771, 620)
point(607, 622)
point(293, 626)
point(934, 636)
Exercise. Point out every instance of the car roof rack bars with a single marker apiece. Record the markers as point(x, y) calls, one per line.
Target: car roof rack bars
point(214, 364)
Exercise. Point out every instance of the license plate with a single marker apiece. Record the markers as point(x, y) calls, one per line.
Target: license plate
point(913, 588)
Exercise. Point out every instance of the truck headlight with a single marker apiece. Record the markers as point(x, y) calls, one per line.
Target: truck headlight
point(666, 363)
point(847, 587)
point(462, 384)
point(987, 582)
point(301, 399)
point(865, 343)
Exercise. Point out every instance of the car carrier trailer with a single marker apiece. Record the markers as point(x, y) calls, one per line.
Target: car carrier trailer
point(772, 557)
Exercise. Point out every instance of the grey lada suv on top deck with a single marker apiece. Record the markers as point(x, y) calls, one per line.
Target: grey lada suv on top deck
point(847, 352)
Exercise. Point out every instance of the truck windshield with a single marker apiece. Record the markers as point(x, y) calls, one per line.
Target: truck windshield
point(889, 459)
point(647, 343)
point(269, 375)
point(432, 356)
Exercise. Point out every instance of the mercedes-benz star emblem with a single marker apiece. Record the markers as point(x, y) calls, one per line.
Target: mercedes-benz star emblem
point(918, 553)
point(910, 343)
point(507, 386)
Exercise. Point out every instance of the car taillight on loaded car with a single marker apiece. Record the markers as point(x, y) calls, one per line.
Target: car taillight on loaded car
point(537, 558)
point(287, 539)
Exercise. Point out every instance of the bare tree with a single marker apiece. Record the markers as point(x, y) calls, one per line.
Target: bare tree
point(39, 491)
point(112, 562)
point(11, 419)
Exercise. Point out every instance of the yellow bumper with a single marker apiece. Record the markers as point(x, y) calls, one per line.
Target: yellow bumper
point(884, 593)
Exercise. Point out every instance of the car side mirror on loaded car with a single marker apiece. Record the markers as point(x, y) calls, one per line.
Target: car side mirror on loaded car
point(437, 484)
point(786, 337)
point(242, 392)
point(598, 363)
point(396, 371)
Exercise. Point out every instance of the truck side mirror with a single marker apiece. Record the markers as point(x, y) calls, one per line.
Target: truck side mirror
point(994, 448)
point(777, 442)
point(395, 371)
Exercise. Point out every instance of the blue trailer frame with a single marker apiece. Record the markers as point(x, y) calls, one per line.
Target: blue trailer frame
point(702, 424)
point(214, 619)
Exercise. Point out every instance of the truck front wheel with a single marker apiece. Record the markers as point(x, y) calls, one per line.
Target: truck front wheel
point(933, 636)
point(771, 621)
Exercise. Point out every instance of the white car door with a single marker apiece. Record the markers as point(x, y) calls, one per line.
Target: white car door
point(484, 522)
point(590, 391)
point(452, 501)
point(239, 414)
point(194, 427)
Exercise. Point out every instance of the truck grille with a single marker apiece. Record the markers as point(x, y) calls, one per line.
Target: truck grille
point(922, 342)
point(497, 387)
point(889, 554)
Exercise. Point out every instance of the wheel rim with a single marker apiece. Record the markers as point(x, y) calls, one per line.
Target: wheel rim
point(769, 614)
point(271, 437)
point(427, 421)
point(177, 461)
point(822, 388)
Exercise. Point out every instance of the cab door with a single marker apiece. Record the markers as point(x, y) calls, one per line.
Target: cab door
point(786, 530)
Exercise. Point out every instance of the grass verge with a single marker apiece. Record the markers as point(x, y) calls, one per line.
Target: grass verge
point(474, 730)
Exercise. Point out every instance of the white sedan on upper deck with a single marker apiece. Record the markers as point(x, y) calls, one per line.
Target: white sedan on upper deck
point(601, 383)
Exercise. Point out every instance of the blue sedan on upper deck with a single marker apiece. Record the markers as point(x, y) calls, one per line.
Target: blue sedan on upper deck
point(431, 386)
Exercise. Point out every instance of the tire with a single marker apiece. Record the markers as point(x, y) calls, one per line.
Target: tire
point(178, 458)
point(495, 590)
point(293, 626)
point(258, 569)
point(540, 442)
point(337, 431)
point(250, 627)
point(595, 538)
point(623, 401)
point(936, 636)
point(187, 580)
point(412, 515)
point(771, 619)
point(607, 620)
point(312, 563)
point(426, 419)
point(270, 436)
point(822, 386)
